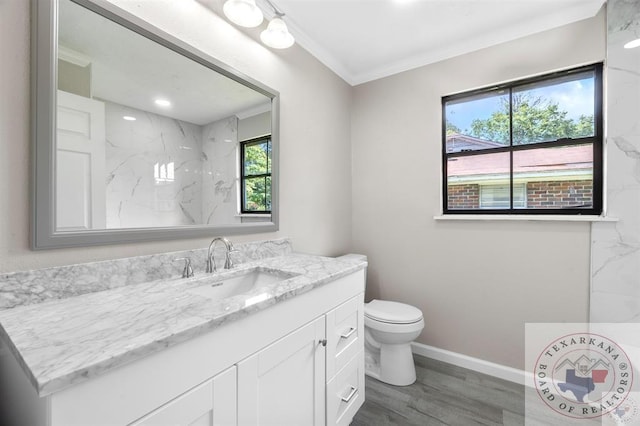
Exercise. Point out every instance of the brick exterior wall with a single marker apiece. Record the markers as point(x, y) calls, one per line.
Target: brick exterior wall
point(463, 196)
point(559, 194)
point(540, 195)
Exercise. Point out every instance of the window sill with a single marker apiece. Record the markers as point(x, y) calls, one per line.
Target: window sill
point(267, 215)
point(535, 218)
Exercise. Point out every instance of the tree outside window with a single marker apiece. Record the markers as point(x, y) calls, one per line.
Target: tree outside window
point(255, 179)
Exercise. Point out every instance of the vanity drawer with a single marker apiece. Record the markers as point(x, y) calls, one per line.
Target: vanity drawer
point(345, 392)
point(345, 333)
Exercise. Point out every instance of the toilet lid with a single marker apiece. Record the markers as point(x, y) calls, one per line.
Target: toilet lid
point(393, 312)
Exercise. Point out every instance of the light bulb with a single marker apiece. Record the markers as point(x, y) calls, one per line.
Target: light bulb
point(277, 35)
point(243, 12)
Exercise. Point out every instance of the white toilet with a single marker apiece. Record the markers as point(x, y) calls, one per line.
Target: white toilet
point(389, 329)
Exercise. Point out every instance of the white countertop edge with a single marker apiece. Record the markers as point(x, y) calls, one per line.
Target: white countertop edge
point(537, 218)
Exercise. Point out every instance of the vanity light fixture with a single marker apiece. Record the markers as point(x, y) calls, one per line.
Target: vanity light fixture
point(162, 103)
point(277, 34)
point(243, 12)
point(129, 118)
point(632, 44)
point(246, 13)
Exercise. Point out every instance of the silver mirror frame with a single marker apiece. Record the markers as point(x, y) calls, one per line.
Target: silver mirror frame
point(44, 55)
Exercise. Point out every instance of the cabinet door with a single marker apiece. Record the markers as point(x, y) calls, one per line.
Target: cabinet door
point(284, 384)
point(211, 403)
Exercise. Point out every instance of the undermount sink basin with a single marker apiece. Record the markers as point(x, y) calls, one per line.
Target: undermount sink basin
point(221, 287)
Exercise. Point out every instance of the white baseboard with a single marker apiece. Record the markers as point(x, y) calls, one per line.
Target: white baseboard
point(490, 368)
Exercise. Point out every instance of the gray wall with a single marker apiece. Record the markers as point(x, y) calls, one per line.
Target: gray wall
point(477, 283)
point(254, 126)
point(73, 78)
point(315, 207)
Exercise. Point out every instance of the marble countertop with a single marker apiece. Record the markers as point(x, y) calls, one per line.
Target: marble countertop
point(62, 342)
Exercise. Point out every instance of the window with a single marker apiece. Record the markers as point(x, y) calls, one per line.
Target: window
point(255, 175)
point(499, 196)
point(528, 147)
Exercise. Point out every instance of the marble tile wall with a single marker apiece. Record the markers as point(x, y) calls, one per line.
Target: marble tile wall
point(153, 167)
point(166, 172)
point(36, 286)
point(219, 172)
point(615, 249)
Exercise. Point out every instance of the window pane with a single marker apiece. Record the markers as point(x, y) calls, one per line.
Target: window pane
point(257, 158)
point(257, 194)
point(268, 193)
point(499, 196)
point(268, 156)
point(554, 109)
point(466, 174)
point(556, 178)
point(477, 122)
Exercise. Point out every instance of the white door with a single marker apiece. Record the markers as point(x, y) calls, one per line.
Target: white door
point(80, 164)
point(284, 384)
point(212, 403)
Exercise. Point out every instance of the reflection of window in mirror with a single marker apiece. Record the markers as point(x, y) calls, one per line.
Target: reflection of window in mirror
point(255, 175)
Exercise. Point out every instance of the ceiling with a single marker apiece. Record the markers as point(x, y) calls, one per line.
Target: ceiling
point(131, 70)
point(363, 40)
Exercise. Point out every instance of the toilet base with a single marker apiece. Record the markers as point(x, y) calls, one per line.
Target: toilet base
point(392, 364)
point(396, 365)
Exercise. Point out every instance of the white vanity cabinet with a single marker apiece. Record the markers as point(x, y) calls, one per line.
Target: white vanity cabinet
point(211, 403)
point(297, 362)
point(345, 361)
point(284, 383)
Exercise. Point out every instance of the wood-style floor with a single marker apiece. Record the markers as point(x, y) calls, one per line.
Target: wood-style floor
point(444, 394)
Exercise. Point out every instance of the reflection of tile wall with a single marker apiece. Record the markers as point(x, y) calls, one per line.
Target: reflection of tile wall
point(219, 181)
point(615, 265)
point(153, 168)
point(166, 172)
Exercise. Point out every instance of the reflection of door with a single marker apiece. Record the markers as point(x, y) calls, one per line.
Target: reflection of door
point(80, 164)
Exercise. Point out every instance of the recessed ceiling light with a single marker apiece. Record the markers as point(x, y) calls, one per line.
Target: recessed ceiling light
point(129, 118)
point(632, 44)
point(162, 102)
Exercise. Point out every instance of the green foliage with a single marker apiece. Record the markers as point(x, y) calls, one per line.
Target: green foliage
point(257, 171)
point(452, 128)
point(534, 120)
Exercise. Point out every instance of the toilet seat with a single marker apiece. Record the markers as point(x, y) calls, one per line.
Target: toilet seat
point(392, 312)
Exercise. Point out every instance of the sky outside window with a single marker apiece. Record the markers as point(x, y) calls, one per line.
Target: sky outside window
point(572, 100)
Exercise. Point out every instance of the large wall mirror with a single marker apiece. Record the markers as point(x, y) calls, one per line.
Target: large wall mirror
point(139, 136)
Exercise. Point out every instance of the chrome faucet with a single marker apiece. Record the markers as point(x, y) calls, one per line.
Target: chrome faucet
point(187, 272)
point(211, 263)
